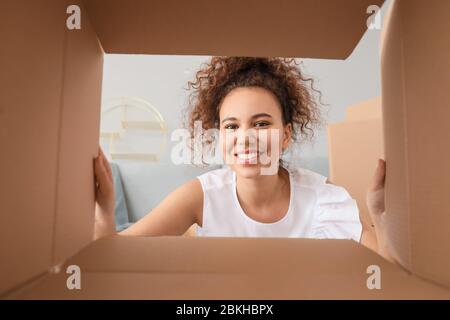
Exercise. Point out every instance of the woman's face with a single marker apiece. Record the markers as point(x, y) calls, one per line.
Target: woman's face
point(252, 135)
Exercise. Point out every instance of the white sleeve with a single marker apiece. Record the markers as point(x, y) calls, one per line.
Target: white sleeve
point(336, 215)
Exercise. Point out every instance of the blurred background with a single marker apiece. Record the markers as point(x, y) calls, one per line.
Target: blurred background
point(146, 95)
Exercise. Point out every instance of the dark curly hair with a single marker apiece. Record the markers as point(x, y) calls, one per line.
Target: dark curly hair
point(281, 76)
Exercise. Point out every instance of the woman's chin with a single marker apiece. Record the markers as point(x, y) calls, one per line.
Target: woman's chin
point(247, 170)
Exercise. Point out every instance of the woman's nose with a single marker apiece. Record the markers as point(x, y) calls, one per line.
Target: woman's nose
point(246, 137)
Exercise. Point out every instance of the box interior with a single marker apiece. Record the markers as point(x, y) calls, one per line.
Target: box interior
point(53, 80)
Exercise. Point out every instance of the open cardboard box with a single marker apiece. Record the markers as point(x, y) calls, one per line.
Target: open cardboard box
point(50, 108)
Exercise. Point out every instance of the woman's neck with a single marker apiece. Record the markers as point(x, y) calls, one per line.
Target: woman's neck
point(261, 191)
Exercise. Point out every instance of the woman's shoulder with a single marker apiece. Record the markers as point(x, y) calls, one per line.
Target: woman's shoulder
point(307, 178)
point(336, 212)
point(216, 178)
point(325, 190)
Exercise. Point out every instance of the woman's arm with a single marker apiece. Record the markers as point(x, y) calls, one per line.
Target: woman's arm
point(173, 216)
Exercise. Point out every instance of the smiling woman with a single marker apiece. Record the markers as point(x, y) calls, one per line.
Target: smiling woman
point(280, 81)
point(260, 106)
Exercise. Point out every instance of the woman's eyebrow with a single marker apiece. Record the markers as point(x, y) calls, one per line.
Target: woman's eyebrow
point(258, 115)
point(229, 118)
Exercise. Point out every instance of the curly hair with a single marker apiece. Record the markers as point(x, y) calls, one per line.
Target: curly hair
point(281, 76)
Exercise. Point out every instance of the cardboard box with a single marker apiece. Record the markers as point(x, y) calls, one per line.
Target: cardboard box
point(49, 111)
point(228, 268)
point(416, 136)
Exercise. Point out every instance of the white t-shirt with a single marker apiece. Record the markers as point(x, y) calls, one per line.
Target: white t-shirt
point(316, 209)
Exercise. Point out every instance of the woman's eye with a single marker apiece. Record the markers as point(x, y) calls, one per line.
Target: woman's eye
point(230, 127)
point(261, 124)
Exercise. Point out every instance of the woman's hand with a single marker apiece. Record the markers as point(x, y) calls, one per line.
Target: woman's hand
point(104, 197)
point(375, 193)
point(376, 204)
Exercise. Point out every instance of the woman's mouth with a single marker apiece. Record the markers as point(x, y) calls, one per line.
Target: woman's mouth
point(247, 157)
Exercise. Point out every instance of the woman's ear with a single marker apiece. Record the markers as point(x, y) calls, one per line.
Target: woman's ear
point(287, 135)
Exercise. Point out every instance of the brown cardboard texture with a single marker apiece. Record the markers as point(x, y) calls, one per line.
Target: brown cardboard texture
point(316, 29)
point(416, 135)
point(229, 268)
point(51, 86)
point(49, 133)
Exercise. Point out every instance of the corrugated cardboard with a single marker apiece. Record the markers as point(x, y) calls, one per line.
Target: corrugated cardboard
point(79, 124)
point(326, 29)
point(416, 98)
point(229, 268)
point(30, 81)
point(50, 109)
point(53, 86)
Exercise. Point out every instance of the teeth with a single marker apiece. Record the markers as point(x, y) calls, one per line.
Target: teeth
point(247, 156)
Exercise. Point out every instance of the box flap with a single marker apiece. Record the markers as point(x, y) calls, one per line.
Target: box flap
point(78, 140)
point(230, 268)
point(290, 28)
point(31, 71)
point(49, 136)
point(415, 81)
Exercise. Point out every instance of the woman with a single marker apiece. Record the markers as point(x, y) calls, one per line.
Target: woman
point(259, 106)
